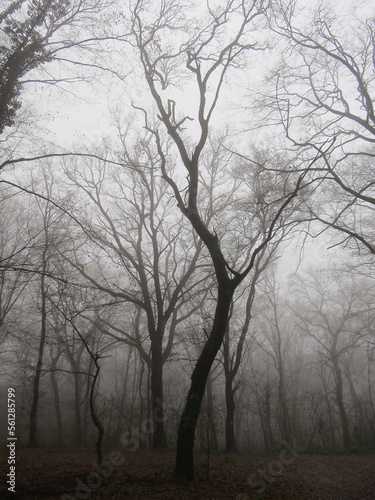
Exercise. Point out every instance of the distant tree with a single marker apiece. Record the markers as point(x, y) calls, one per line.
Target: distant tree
point(95, 348)
point(149, 250)
point(17, 241)
point(332, 310)
point(55, 355)
point(44, 264)
point(251, 207)
point(277, 336)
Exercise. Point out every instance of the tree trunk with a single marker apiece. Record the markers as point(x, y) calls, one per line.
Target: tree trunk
point(361, 430)
point(95, 418)
point(211, 415)
point(285, 419)
point(121, 409)
point(340, 404)
point(34, 407)
point(371, 416)
point(186, 432)
point(77, 408)
point(268, 423)
point(56, 396)
point(159, 439)
point(329, 410)
point(230, 440)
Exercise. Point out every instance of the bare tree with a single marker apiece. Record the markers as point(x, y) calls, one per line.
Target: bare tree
point(150, 251)
point(17, 240)
point(257, 213)
point(277, 337)
point(46, 247)
point(330, 310)
point(324, 93)
point(204, 59)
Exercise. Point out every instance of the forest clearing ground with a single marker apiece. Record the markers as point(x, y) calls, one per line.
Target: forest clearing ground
point(71, 474)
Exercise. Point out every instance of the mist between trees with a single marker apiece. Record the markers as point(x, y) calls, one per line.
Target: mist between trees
point(140, 263)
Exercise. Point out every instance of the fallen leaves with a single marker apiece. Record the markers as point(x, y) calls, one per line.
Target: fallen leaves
point(72, 474)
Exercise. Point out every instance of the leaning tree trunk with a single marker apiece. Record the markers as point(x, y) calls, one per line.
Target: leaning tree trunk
point(186, 432)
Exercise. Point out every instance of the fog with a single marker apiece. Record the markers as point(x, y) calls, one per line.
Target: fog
point(187, 241)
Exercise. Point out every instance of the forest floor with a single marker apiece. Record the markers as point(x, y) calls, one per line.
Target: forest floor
point(68, 474)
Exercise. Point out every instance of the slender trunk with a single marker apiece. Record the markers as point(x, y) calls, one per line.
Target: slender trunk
point(262, 410)
point(159, 439)
point(285, 419)
point(210, 416)
point(238, 416)
point(371, 417)
point(267, 404)
point(86, 416)
point(231, 366)
point(34, 407)
point(121, 409)
point(186, 432)
point(320, 430)
point(77, 407)
point(95, 417)
point(230, 440)
point(149, 431)
point(135, 390)
point(141, 398)
point(330, 417)
point(361, 427)
point(230, 372)
point(340, 404)
point(56, 397)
